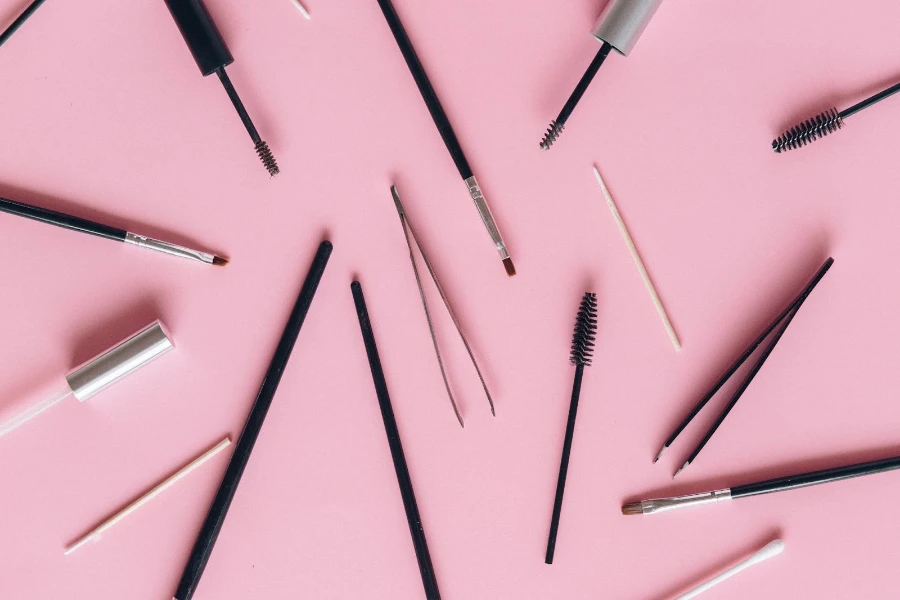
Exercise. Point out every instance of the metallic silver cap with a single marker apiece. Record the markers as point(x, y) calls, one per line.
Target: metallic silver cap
point(623, 22)
point(122, 359)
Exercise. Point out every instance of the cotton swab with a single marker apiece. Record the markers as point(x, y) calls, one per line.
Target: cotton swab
point(771, 549)
point(301, 8)
point(639, 263)
point(172, 480)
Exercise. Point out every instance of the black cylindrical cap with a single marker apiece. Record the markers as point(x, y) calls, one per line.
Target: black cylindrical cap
point(201, 35)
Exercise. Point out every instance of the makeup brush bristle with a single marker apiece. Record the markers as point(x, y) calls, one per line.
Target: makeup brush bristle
point(552, 133)
point(219, 261)
point(509, 266)
point(809, 131)
point(585, 331)
point(632, 508)
point(267, 158)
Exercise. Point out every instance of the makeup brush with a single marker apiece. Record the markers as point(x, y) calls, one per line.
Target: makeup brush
point(620, 25)
point(781, 484)
point(773, 548)
point(105, 231)
point(582, 352)
point(824, 123)
point(426, 570)
point(209, 533)
point(36, 4)
point(212, 56)
point(446, 130)
point(780, 323)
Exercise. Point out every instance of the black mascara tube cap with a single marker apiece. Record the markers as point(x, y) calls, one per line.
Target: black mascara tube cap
point(200, 33)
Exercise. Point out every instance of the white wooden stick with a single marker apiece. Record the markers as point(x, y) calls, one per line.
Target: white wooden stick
point(639, 263)
point(771, 549)
point(113, 520)
point(301, 8)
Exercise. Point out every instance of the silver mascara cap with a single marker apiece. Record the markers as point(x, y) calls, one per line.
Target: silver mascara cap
point(623, 22)
point(124, 358)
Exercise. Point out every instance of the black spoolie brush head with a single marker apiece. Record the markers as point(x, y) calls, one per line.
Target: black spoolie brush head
point(585, 331)
point(809, 131)
point(552, 133)
point(267, 158)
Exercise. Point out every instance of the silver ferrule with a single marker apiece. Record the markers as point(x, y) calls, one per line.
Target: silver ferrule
point(662, 504)
point(486, 217)
point(623, 21)
point(124, 358)
point(173, 249)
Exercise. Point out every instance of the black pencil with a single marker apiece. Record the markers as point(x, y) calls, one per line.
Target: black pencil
point(446, 130)
point(20, 21)
point(780, 484)
point(65, 221)
point(393, 435)
point(213, 525)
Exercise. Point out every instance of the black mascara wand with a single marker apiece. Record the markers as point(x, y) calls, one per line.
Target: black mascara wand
point(20, 20)
point(582, 351)
point(212, 56)
point(619, 27)
point(824, 123)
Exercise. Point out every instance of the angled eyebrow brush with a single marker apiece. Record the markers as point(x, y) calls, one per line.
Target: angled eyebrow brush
point(582, 352)
point(446, 131)
point(781, 323)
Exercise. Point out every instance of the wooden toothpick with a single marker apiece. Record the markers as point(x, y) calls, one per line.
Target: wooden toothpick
point(639, 263)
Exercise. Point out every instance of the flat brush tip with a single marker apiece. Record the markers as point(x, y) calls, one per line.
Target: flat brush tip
point(219, 261)
point(632, 508)
point(509, 266)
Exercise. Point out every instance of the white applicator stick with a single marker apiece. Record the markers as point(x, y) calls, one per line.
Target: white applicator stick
point(172, 480)
point(301, 8)
point(771, 549)
point(639, 263)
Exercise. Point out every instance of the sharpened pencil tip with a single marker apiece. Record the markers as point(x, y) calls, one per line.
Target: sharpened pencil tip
point(219, 261)
point(632, 508)
point(509, 266)
point(683, 467)
point(659, 456)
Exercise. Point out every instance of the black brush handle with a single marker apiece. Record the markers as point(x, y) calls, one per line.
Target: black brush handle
point(20, 21)
point(61, 220)
point(201, 35)
point(425, 88)
point(216, 517)
point(792, 482)
point(564, 464)
point(390, 427)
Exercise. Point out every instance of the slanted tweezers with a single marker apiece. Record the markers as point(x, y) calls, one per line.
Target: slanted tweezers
point(410, 235)
point(784, 319)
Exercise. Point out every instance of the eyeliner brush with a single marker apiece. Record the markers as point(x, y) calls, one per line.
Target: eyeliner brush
point(446, 130)
point(105, 231)
point(20, 21)
point(212, 56)
point(426, 569)
point(781, 484)
point(582, 351)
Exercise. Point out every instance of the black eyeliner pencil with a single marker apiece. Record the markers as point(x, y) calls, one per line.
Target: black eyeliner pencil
point(446, 130)
point(390, 427)
point(582, 351)
point(203, 547)
point(20, 21)
point(780, 484)
point(65, 221)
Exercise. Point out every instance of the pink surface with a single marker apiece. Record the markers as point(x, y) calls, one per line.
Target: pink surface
point(104, 114)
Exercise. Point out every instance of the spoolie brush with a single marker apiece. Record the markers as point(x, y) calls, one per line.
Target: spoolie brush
point(619, 27)
point(824, 123)
point(212, 56)
point(582, 352)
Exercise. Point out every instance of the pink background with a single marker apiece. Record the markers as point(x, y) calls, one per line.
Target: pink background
point(104, 114)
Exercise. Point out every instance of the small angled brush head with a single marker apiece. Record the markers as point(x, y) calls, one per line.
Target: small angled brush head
point(219, 261)
point(585, 331)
